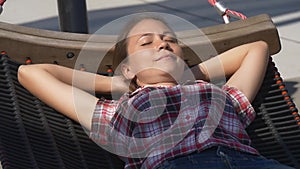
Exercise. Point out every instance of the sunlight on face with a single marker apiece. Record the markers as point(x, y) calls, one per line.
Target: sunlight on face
point(154, 53)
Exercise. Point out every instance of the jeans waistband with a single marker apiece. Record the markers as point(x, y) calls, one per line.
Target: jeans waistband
point(225, 149)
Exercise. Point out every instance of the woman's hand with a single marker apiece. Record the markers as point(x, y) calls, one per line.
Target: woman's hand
point(244, 65)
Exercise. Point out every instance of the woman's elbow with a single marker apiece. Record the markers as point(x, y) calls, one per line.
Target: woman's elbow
point(263, 47)
point(25, 73)
point(259, 52)
point(22, 72)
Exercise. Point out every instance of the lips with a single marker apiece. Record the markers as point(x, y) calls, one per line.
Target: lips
point(167, 56)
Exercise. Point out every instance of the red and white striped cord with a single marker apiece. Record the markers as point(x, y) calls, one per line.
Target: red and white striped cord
point(225, 12)
point(1, 4)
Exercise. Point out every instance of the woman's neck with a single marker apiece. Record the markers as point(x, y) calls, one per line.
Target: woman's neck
point(158, 84)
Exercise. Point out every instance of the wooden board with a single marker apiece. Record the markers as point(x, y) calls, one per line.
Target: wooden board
point(44, 46)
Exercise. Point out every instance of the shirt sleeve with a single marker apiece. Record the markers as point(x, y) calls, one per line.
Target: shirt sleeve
point(241, 105)
point(101, 121)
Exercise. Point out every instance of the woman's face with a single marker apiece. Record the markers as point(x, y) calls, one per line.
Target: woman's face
point(154, 54)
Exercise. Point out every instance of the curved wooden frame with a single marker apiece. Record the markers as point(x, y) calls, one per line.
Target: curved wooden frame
point(44, 46)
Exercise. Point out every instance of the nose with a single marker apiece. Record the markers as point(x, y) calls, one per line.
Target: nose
point(161, 44)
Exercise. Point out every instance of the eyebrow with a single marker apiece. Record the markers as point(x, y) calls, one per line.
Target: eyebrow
point(169, 32)
point(145, 34)
point(150, 34)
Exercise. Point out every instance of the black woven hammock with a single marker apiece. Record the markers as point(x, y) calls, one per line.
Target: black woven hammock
point(33, 135)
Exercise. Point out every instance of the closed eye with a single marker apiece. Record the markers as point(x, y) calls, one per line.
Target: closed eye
point(146, 43)
point(170, 39)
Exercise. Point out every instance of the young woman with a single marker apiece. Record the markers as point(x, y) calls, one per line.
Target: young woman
point(167, 119)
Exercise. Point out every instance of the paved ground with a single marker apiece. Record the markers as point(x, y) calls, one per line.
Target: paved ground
point(285, 14)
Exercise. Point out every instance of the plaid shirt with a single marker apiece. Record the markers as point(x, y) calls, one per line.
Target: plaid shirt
point(154, 124)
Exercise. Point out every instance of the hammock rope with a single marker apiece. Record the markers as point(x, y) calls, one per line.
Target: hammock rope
point(1, 4)
point(225, 12)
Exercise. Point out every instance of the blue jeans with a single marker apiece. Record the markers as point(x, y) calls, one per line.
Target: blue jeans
point(222, 158)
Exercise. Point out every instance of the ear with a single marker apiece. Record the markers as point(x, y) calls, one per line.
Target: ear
point(127, 71)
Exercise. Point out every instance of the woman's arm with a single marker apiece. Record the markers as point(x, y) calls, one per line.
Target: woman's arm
point(65, 89)
point(245, 65)
point(83, 80)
